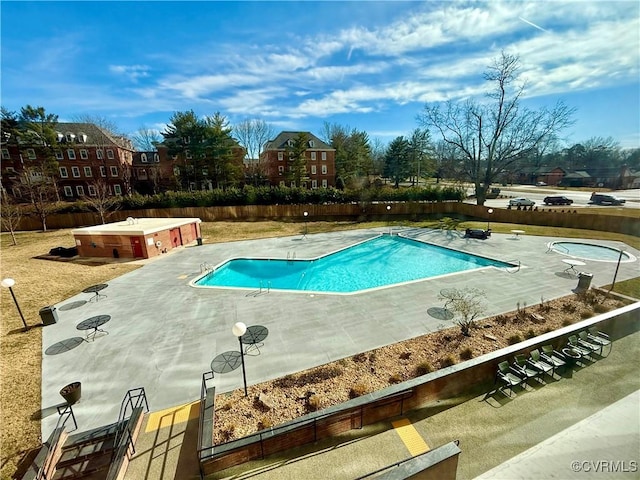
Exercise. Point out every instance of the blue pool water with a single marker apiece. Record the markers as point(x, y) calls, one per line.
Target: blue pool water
point(588, 251)
point(382, 261)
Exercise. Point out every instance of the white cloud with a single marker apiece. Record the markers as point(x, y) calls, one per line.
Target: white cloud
point(133, 72)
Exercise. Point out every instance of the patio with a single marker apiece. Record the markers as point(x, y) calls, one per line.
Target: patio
point(163, 333)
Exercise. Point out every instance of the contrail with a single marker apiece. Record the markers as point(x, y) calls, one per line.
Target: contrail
point(532, 24)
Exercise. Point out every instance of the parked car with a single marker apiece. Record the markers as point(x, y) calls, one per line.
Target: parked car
point(521, 202)
point(602, 199)
point(541, 184)
point(557, 200)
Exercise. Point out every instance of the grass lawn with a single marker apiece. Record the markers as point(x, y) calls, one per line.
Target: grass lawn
point(40, 283)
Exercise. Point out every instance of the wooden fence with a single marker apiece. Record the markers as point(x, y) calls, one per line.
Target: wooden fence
point(410, 211)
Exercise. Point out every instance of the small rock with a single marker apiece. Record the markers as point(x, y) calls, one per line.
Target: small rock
point(490, 337)
point(266, 401)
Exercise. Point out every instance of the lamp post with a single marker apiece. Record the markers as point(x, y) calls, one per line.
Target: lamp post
point(306, 215)
point(238, 330)
point(490, 211)
point(8, 283)
point(389, 219)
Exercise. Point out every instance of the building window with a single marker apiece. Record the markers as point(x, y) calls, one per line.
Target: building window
point(71, 154)
point(311, 143)
point(80, 190)
point(280, 169)
point(324, 183)
point(5, 154)
point(70, 137)
point(188, 155)
point(75, 171)
point(324, 155)
point(59, 155)
point(293, 184)
point(110, 154)
point(84, 155)
point(314, 183)
point(103, 171)
point(280, 156)
point(100, 154)
point(68, 191)
point(313, 169)
point(304, 184)
point(92, 190)
point(324, 169)
point(114, 171)
point(31, 154)
point(143, 158)
point(63, 172)
point(313, 156)
point(281, 183)
point(11, 170)
point(156, 158)
point(87, 172)
point(117, 189)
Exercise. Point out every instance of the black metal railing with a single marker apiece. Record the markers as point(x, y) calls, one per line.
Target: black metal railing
point(134, 398)
point(207, 376)
point(65, 412)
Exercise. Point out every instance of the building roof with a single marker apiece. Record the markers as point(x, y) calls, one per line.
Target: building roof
point(94, 135)
point(135, 226)
point(578, 174)
point(280, 142)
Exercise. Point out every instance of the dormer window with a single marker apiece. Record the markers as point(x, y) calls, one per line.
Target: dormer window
point(156, 158)
point(289, 143)
point(311, 143)
point(59, 137)
point(70, 137)
point(82, 138)
point(143, 158)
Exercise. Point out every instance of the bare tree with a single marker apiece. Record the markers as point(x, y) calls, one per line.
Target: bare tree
point(467, 305)
point(40, 192)
point(98, 120)
point(146, 139)
point(10, 214)
point(489, 137)
point(102, 202)
point(252, 134)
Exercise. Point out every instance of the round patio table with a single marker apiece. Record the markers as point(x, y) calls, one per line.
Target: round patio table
point(254, 338)
point(94, 323)
point(572, 265)
point(226, 362)
point(96, 289)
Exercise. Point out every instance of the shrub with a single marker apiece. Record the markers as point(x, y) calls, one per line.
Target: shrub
point(585, 314)
point(264, 422)
point(466, 354)
point(513, 339)
point(226, 407)
point(227, 432)
point(405, 355)
point(530, 333)
point(568, 307)
point(313, 403)
point(359, 358)
point(424, 368)
point(567, 322)
point(600, 308)
point(358, 390)
point(395, 378)
point(502, 319)
point(447, 362)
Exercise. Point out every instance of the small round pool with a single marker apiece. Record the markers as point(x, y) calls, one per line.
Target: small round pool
point(590, 251)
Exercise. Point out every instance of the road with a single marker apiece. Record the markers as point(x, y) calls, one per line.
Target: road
point(580, 198)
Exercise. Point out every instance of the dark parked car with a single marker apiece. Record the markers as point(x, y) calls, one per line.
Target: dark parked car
point(477, 233)
point(602, 199)
point(557, 200)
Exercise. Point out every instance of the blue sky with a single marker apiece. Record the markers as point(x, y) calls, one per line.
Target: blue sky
point(367, 65)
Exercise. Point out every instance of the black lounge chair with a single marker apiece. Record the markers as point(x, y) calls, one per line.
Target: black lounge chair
point(600, 338)
point(537, 362)
point(524, 368)
point(552, 357)
point(508, 378)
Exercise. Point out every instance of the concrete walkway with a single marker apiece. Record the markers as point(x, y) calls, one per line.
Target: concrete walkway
point(163, 333)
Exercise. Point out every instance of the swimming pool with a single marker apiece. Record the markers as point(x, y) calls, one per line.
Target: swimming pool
point(380, 262)
point(590, 251)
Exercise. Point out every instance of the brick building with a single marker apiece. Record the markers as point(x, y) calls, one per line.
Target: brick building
point(320, 161)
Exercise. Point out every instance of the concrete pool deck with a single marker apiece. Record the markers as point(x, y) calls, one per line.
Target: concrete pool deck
point(163, 333)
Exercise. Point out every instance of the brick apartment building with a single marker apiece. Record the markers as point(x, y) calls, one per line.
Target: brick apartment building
point(320, 161)
point(87, 156)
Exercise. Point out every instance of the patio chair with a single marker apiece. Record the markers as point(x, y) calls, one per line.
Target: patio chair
point(585, 352)
point(524, 368)
point(552, 357)
point(599, 337)
point(537, 362)
point(508, 378)
point(585, 341)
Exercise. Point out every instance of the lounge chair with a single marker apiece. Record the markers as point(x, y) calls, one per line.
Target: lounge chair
point(522, 367)
point(572, 343)
point(552, 357)
point(600, 338)
point(508, 378)
point(537, 362)
point(585, 341)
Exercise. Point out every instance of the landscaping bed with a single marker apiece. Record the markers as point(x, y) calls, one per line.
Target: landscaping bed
point(277, 401)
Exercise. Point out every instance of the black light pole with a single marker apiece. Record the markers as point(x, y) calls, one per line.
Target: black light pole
point(238, 330)
point(8, 283)
point(490, 211)
point(306, 215)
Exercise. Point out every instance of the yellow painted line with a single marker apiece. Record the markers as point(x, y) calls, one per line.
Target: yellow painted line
point(182, 277)
point(172, 416)
point(410, 437)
